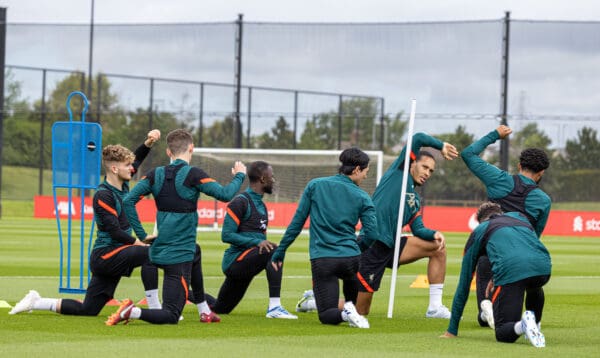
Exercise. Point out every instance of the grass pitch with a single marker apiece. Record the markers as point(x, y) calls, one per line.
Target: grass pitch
point(29, 260)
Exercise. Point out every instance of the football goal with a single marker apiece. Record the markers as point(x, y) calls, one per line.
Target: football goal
point(292, 169)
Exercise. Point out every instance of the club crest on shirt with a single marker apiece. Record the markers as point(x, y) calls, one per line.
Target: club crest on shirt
point(411, 200)
point(263, 224)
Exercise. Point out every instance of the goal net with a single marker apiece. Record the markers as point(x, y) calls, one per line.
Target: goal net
point(292, 170)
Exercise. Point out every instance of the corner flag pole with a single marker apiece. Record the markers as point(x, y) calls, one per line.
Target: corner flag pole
point(411, 123)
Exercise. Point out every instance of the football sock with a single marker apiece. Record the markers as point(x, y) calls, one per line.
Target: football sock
point(203, 307)
point(136, 313)
point(435, 295)
point(46, 304)
point(274, 302)
point(519, 328)
point(152, 299)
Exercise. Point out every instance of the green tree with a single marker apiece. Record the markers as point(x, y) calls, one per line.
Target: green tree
point(582, 152)
point(452, 179)
point(220, 134)
point(281, 137)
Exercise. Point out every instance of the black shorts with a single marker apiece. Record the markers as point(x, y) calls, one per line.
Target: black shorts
point(373, 263)
point(120, 261)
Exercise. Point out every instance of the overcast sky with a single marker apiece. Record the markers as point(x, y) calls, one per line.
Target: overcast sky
point(107, 11)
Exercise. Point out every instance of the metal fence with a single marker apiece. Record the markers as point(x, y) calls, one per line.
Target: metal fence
point(474, 74)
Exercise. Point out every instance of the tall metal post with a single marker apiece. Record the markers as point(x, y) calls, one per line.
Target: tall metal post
point(91, 54)
point(2, 63)
point(294, 142)
point(504, 145)
point(99, 97)
point(201, 116)
point(42, 125)
point(249, 117)
point(382, 140)
point(151, 109)
point(340, 102)
point(238, 80)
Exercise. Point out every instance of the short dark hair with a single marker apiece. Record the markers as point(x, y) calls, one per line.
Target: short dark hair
point(351, 158)
point(256, 170)
point(534, 159)
point(487, 210)
point(178, 141)
point(424, 153)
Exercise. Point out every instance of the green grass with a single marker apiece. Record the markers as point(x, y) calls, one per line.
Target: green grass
point(17, 193)
point(29, 260)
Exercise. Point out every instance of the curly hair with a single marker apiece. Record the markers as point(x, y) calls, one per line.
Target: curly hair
point(117, 153)
point(487, 210)
point(534, 159)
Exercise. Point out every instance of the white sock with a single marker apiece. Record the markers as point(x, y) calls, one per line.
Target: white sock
point(274, 302)
point(344, 316)
point(152, 299)
point(203, 307)
point(519, 328)
point(46, 304)
point(136, 313)
point(435, 295)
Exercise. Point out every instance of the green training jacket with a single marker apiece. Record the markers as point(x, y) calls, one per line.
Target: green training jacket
point(515, 253)
point(335, 204)
point(498, 183)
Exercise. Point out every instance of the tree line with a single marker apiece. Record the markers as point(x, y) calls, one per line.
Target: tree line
point(572, 174)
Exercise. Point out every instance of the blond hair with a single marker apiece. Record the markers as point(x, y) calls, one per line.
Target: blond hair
point(116, 153)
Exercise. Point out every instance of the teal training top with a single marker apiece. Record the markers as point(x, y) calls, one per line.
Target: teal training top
point(239, 211)
point(387, 196)
point(335, 204)
point(176, 241)
point(515, 253)
point(498, 183)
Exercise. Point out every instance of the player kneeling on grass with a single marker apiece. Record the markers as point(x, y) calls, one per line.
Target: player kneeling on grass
point(335, 204)
point(520, 267)
point(176, 189)
point(244, 228)
point(116, 253)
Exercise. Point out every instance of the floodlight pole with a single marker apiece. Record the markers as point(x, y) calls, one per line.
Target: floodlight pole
point(503, 117)
point(2, 63)
point(238, 81)
point(91, 55)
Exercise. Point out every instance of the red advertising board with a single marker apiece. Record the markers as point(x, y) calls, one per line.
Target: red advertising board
point(445, 219)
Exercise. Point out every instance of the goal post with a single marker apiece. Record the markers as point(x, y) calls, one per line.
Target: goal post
point(292, 169)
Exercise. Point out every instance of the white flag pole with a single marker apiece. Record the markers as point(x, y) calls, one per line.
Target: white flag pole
point(411, 123)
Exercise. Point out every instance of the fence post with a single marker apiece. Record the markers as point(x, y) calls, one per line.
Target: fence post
point(341, 100)
point(42, 124)
point(249, 117)
point(238, 80)
point(2, 63)
point(504, 95)
point(201, 115)
point(295, 119)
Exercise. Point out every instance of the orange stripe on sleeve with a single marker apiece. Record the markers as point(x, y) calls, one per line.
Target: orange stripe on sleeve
point(412, 155)
point(364, 282)
point(496, 293)
point(207, 180)
point(233, 216)
point(107, 207)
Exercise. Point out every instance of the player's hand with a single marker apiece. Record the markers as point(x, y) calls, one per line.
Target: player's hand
point(152, 137)
point(449, 151)
point(276, 265)
point(238, 167)
point(139, 243)
point(503, 131)
point(489, 289)
point(447, 335)
point(266, 246)
point(149, 239)
point(440, 239)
